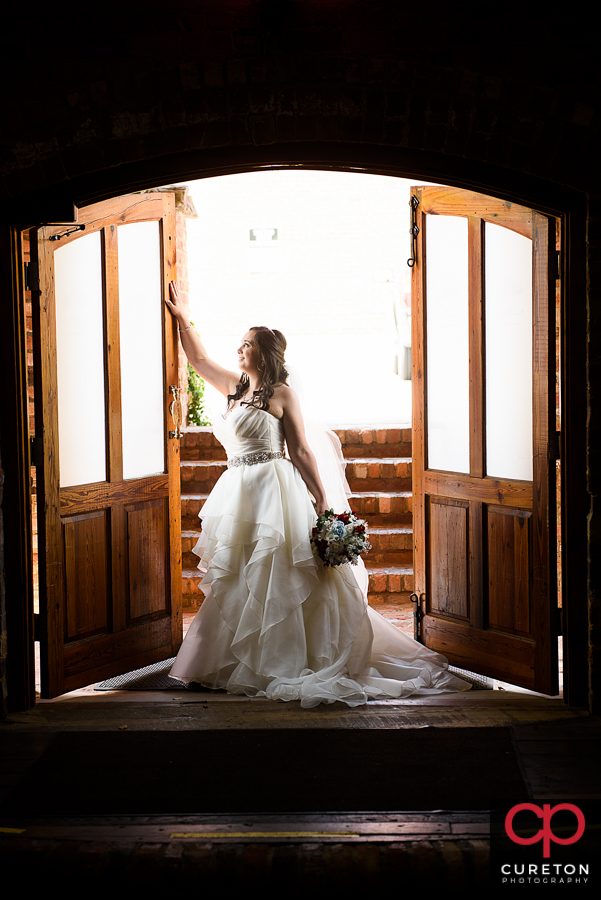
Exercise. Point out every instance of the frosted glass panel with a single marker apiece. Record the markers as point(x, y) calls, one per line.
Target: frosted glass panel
point(447, 343)
point(80, 361)
point(140, 319)
point(508, 318)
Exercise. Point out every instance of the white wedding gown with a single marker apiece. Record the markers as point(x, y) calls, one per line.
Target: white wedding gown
point(275, 621)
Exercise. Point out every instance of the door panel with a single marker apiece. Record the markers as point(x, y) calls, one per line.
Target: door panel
point(483, 423)
point(148, 587)
point(508, 542)
point(110, 588)
point(86, 544)
point(449, 540)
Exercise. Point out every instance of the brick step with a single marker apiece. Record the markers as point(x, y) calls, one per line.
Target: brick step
point(383, 600)
point(385, 581)
point(191, 505)
point(385, 508)
point(388, 509)
point(390, 547)
point(192, 596)
point(389, 558)
point(387, 474)
point(379, 474)
point(388, 587)
point(200, 442)
point(189, 539)
point(391, 441)
point(201, 473)
point(399, 611)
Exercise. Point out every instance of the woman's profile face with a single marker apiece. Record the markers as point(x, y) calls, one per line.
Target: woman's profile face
point(249, 358)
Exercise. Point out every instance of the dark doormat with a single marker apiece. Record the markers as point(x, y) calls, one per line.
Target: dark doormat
point(150, 678)
point(270, 770)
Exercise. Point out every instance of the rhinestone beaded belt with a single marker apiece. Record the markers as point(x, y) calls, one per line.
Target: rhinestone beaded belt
point(251, 459)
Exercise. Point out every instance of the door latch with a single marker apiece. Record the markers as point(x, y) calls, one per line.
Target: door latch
point(175, 409)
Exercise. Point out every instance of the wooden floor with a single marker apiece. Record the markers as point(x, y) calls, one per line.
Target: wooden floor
point(557, 747)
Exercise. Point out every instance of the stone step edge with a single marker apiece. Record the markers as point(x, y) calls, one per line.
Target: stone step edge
point(377, 529)
point(349, 435)
point(384, 494)
point(377, 570)
point(350, 460)
point(392, 426)
point(196, 496)
point(370, 460)
point(193, 595)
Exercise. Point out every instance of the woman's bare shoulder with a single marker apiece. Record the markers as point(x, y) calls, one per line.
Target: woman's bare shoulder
point(284, 394)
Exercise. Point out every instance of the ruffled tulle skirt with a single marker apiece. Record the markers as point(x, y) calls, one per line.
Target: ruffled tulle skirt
point(277, 623)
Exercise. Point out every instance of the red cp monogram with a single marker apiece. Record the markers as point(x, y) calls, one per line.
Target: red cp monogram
point(545, 834)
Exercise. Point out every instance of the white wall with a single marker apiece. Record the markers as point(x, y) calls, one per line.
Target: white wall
point(329, 283)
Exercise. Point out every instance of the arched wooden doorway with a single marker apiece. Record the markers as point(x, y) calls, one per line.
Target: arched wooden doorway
point(572, 437)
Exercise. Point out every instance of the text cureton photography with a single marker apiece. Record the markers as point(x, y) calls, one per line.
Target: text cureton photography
point(545, 842)
point(520, 873)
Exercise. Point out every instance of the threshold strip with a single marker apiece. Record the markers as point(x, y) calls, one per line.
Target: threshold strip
point(403, 828)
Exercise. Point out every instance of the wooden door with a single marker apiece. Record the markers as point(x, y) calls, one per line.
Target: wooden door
point(483, 295)
point(108, 455)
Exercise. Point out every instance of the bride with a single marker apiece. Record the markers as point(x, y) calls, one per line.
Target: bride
point(276, 622)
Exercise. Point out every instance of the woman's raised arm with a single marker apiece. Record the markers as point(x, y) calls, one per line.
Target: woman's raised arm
point(222, 379)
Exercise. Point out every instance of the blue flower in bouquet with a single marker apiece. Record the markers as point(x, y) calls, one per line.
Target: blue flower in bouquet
point(337, 530)
point(339, 539)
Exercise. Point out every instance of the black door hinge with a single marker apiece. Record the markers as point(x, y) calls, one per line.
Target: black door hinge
point(32, 276)
point(39, 627)
point(554, 446)
point(36, 451)
point(558, 620)
point(418, 615)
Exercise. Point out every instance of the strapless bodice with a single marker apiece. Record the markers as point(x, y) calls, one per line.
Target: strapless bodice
point(247, 429)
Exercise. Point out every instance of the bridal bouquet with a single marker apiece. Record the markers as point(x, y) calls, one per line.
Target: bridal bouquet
point(339, 538)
